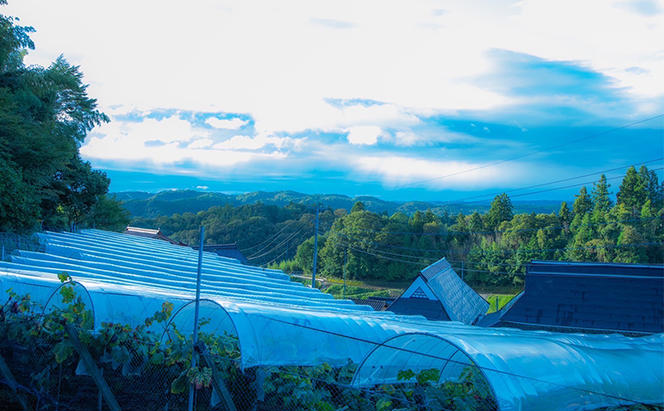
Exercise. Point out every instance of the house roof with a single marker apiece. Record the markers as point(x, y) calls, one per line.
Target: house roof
point(150, 233)
point(377, 303)
point(430, 309)
point(229, 250)
point(145, 232)
point(438, 293)
point(627, 298)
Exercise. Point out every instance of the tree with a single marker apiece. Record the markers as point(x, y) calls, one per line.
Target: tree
point(600, 196)
point(582, 203)
point(633, 191)
point(45, 115)
point(565, 215)
point(358, 206)
point(654, 190)
point(107, 214)
point(501, 210)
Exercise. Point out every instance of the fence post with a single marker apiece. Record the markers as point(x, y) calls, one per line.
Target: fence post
point(197, 305)
point(9, 377)
point(217, 383)
point(92, 368)
point(313, 276)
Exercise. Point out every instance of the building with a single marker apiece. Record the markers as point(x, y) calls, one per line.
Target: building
point(150, 233)
point(439, 294)
point(587, 297)
point(377, 303)
point(225, 250)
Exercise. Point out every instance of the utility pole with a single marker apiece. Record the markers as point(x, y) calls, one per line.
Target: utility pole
point(313, 277)
point(194, 356)
point(344, 270)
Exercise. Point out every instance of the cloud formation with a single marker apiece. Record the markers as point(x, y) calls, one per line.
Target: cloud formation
point(304, 88)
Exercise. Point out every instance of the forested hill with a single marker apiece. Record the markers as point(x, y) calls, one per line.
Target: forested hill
point(164, 203)
point(492, 247)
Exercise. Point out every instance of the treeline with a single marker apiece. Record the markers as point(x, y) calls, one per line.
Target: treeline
point(492, 249)
point(265, 233)
point(45, 114)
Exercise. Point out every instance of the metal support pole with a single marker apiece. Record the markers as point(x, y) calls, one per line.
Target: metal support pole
point(344, 271)
point(197, 305)
point(313, 277)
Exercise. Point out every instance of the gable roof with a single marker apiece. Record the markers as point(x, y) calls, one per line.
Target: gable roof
point(442, 288)
point(600, 297)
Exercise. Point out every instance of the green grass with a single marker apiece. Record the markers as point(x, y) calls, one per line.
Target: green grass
point(501, 299)
point(337, 290)
point(361, 289)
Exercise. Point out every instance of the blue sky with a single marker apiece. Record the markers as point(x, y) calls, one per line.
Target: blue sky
point(426, 100)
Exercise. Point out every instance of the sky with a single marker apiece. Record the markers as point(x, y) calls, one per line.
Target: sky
point(404, 100)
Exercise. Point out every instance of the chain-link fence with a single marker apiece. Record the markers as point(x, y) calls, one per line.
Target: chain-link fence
point(14, 241)
point(55, 358)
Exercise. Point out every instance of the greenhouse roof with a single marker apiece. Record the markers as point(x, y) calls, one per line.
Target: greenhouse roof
point(278, 322)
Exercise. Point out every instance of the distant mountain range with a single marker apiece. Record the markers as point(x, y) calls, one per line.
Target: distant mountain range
point(143, 204)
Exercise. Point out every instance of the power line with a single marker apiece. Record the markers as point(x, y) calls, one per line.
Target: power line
point(277, 257)
point(278, 246)
point(400, 257)
point(270, 239)
point(556, 181)
point(487, 232)
point(268, 245)
point(624, 126)
point(572, 185)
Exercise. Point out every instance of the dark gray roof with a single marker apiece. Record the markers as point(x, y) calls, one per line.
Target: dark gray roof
point(225, 250)
point(591, 297)
point(445, 296)
point(432, 310)
point(378, 304)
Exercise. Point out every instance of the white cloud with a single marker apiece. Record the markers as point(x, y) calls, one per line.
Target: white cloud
point(364, 135)
point(421, 55)
point(201, 143)
point(288, 58)
point(166, 141)
point(202, 187)
point(241, 142)
point(232, 124)
point(398, 171)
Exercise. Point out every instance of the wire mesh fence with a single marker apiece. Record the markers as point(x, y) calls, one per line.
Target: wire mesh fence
point(54, 357)
point(10, 242)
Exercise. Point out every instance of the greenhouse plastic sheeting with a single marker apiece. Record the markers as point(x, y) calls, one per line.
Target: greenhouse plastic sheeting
point(531, 370)
point(283, 323)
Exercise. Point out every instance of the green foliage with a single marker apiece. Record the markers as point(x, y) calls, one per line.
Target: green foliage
point(45, 114)
point(356, 292)
point(501, 210)
point(265, 233)
point(498, 301)
point(125, 353)
point(495, 247)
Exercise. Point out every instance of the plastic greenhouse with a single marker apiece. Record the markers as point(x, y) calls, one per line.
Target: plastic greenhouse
point(279, 322)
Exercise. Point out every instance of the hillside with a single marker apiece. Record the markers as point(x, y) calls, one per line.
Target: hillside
point(164, 203)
